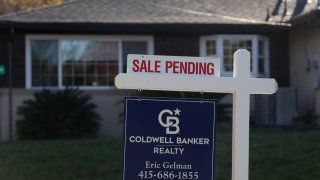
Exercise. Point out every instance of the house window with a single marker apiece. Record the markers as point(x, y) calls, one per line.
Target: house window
point(132, 47)
point(261, 57)
point(224, 47)
point(211, 49)
point(86, 62)
point(89, 63)
point(44, 56)
point(232, 45)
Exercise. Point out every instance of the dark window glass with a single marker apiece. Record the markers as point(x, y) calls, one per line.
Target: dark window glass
point(211, 47)
point(230, 47)
point(261, 57)
point(132, 47)
point(89, 63)
point(44, 63)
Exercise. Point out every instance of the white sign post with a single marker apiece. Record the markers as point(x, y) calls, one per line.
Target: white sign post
point(241, 85)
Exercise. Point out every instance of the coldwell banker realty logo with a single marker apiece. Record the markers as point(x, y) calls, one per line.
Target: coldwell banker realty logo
point(171, 123)
point(168, 139)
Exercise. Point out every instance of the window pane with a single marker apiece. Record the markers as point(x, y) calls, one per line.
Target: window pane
point(131, 47)
point(261, 48)
point(261, 65)
point(211, 47)
point(44, 62)
point(230, 47)
point(86, 63)
point(261, 57)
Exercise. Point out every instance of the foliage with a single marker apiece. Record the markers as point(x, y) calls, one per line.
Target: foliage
point(61, 114)
point(9, 6)
point(224, 112)
point(310, 120)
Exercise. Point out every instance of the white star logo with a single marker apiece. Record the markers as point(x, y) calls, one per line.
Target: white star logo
point(177, 112)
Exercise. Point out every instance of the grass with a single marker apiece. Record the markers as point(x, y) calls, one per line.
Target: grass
point(274, 155)
point(63, 159)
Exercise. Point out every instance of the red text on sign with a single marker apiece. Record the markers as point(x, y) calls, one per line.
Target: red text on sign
point(146, 66)
point(178, 67)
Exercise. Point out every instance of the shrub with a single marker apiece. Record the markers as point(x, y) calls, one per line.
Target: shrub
point(58, 114)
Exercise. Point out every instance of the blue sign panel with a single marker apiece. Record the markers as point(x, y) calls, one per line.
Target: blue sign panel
point(169, 139)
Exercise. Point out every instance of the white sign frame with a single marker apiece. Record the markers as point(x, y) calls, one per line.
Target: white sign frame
point(241, 85)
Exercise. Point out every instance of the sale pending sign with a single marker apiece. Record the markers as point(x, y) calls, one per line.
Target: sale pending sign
point(173, 65)
point(168, 139)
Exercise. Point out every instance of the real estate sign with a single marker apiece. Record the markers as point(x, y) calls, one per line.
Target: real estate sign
point(169, 139)
point(180, 74)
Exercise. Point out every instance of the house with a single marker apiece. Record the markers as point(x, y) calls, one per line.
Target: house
point(84, 43)
point(304, 55)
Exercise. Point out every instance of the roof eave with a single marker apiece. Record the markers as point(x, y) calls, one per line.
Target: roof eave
point(144, 27)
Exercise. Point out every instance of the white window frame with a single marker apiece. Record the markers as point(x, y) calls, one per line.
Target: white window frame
point(112, 38)
point(219, 51)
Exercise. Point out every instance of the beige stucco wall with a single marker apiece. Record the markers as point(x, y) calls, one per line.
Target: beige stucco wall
point(109, 106)
point(304, 44)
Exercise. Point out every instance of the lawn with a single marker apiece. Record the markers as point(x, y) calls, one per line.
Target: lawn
point(275, 154)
